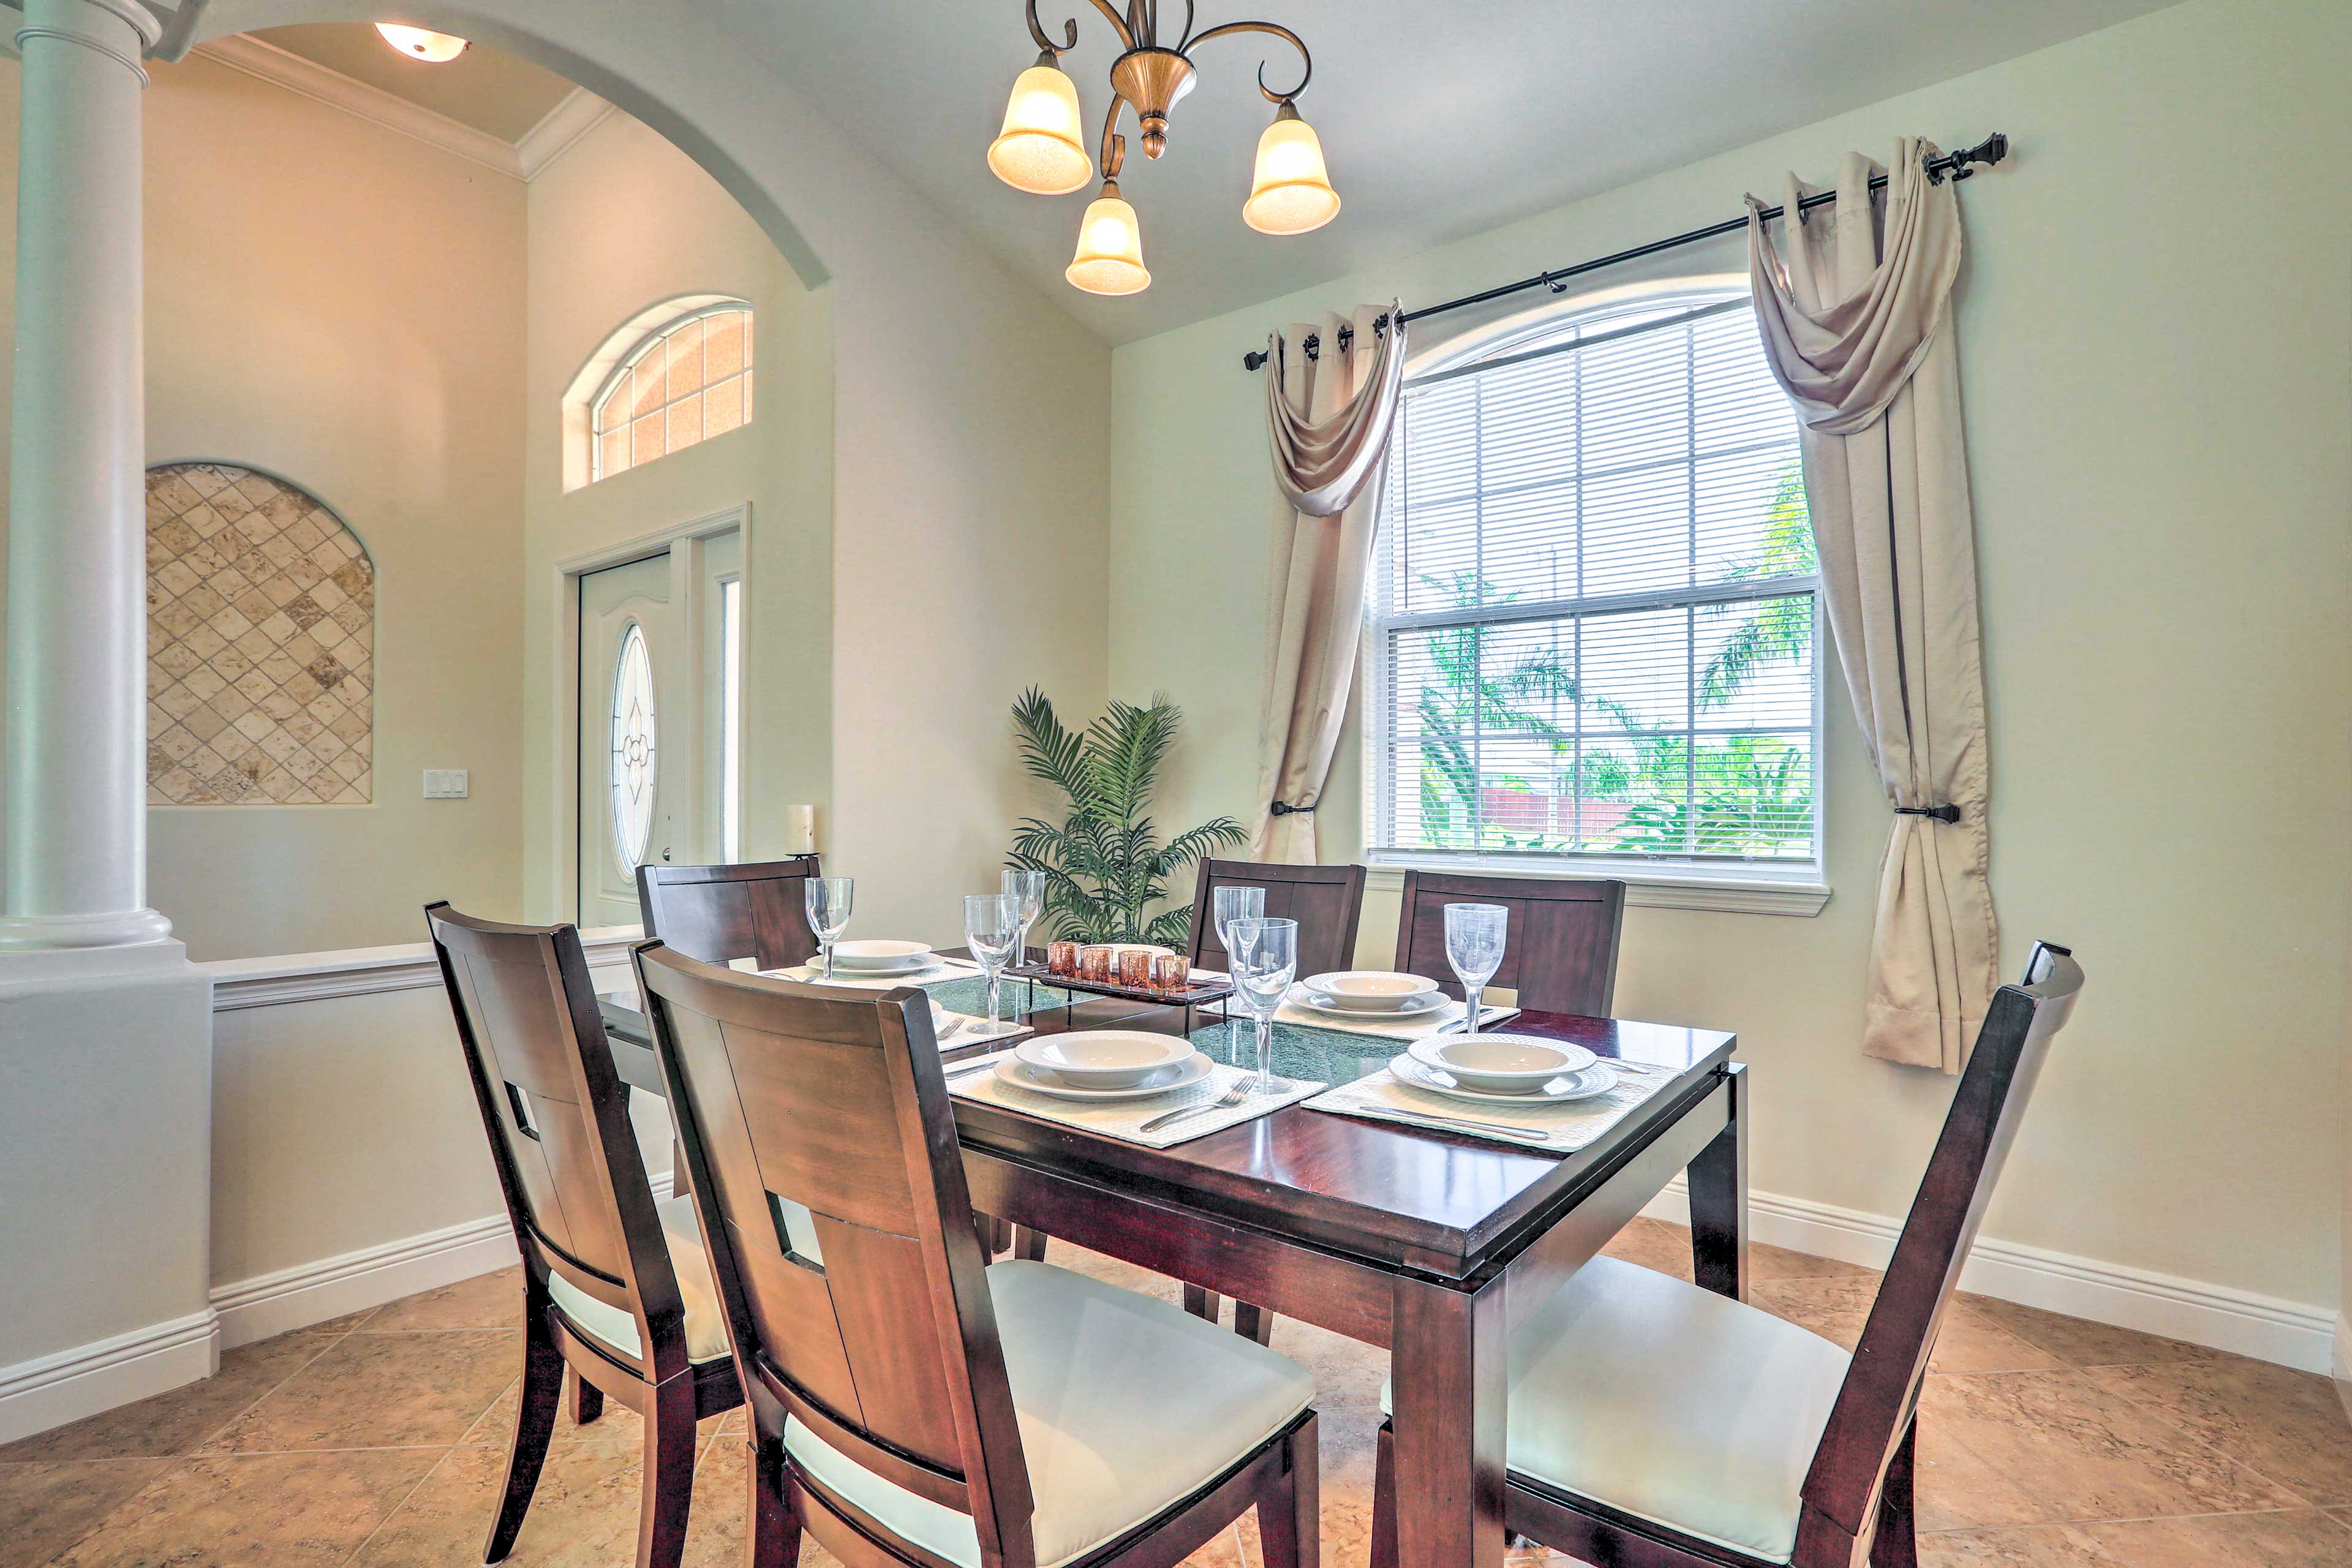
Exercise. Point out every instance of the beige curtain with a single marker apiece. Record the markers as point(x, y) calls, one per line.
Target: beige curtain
point(1328, 420)
point(1855, 311)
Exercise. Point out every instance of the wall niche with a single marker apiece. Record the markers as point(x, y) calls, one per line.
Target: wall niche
point(260, 644)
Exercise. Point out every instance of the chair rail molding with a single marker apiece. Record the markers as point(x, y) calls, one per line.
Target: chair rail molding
point(241, 982)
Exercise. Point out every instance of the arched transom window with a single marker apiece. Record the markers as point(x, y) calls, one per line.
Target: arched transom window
point(687, 379)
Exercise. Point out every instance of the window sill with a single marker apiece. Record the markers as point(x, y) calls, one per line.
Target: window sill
point(1741, 892)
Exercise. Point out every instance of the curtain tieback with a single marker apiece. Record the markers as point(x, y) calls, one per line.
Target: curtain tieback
point(1284, 808)
point(1941, 812)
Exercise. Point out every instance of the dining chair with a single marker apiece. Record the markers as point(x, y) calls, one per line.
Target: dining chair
point(1653, 1424)
point(723, 913)
point(1326, 901)
point(910, 1403)
point(616, 1286)
point(1560, 950)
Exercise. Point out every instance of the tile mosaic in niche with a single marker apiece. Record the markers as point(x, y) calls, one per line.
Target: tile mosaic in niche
point(260, 644)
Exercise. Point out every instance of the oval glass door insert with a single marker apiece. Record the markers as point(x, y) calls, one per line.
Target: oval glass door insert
point(633, 749)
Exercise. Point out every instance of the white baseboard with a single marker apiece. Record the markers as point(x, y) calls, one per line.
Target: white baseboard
point(51, 1390)
point(311, 1293)
point(2288, 1333)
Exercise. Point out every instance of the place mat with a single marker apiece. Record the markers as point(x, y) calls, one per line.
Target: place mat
point(1386, 1026)
point(1560, 1129)
point(1123, 1119)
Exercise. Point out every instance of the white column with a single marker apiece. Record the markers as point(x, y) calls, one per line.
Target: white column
point(77, 639)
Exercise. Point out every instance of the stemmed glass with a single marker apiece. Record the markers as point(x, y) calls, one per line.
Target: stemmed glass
point(1264, 954)
point(827, 900)
point(991, 927)
point(1226, 905)
point(1474, 945)
point(1029, 886)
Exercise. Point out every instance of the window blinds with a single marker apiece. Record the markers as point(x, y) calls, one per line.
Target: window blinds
point(1594, 600)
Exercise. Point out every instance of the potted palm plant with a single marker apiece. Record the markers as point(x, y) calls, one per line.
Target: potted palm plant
point(1103, 862)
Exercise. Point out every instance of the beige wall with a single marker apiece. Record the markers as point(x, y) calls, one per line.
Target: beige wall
point(620, 223)
point(340, 304)
point(875, 651)
point(2156, 353)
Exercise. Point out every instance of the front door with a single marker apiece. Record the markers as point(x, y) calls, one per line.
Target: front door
point(660, 657)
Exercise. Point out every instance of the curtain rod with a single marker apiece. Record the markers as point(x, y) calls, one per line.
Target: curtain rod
point(1960, 166)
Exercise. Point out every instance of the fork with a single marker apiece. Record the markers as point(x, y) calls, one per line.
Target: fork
point(1241, 1091)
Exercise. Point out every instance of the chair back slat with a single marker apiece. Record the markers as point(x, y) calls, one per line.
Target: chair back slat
point(556, 1114)
point(829, 1104)
point(1876, 1401)
point(723, 913)
point(1560, 952)
point(1325, 900)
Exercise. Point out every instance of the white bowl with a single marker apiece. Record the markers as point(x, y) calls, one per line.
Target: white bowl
point(1103, 1058)
point(874, 953)
point(1503, 1063)
point(1370, 990)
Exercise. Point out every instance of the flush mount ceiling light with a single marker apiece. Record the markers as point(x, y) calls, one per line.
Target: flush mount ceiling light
point(418, 44)
point(1040, 149)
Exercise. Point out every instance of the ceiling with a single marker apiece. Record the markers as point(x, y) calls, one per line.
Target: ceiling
point(1440, 119)
point(487, 89)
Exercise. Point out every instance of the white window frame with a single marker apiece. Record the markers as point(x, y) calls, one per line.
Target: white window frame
point(1783, 886)
point(618, 377)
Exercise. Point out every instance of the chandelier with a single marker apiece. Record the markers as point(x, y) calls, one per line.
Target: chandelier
point(1041, 149)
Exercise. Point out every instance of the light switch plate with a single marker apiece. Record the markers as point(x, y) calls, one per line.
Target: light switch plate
point(445, 783)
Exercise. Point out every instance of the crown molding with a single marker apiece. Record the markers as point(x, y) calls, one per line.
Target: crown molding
point(579, 112)
point(267, 61)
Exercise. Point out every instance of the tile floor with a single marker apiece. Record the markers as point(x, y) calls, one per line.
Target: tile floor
point(377, 1440)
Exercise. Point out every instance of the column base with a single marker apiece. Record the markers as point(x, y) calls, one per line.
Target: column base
point(114, 928)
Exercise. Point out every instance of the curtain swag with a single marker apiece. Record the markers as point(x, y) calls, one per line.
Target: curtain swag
point(1855, 311)
point(1328, 420)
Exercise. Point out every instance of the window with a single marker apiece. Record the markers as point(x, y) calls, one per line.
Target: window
point(689, 379)
point(634, 757)
point(1593, 621)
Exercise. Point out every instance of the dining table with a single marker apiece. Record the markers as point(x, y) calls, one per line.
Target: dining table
point(1430, 1244)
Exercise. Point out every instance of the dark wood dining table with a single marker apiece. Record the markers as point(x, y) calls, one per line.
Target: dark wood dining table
point(1428, 1244)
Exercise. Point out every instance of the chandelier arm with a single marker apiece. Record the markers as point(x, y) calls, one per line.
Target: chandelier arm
point(1113, 146)
point(1305, 60)
point(1118, 22)
point(1045, 42)
point(1184, 39)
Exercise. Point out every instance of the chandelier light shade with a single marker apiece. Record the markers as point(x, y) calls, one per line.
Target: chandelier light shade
point(1110, 247)
point(421, 44)
point(1292, 191)
point(1041, 149)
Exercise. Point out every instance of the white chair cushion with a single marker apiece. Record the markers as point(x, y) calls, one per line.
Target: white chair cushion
point(1671, 1404)
point(1125, 1404)
point(706, 1333)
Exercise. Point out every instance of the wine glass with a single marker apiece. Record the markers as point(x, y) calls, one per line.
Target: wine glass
point(1029, 886)
point(1474, 945)
point(1226, 905)
point(991, 927)
point(827, 900)
point(1264, 954)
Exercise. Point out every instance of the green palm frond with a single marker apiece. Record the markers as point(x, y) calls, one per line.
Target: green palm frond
point(1105, 864)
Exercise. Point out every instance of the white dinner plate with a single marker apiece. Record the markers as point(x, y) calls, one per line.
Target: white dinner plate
point(1370, 990)
point(1314, 1000)
point(1597, 1078)
point(877, 956)
point(1104, 1059)
point(1183, 1075)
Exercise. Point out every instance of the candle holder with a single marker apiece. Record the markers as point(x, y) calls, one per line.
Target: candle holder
point(1171, 972)
point(1095, 965)
point(1062, 958)
point(1135, 969)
